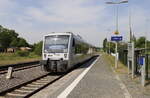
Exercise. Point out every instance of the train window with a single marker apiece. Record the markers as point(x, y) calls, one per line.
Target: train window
point(73, 43)
point(81, 48)
point(78, 49)
point(56, 43)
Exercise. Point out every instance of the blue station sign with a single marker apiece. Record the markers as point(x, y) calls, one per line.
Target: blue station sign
point(141, 60)
point(116, 38)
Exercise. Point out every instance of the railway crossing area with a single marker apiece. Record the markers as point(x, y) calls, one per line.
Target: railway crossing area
point(97, 79)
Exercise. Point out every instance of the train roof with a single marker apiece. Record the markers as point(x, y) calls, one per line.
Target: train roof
point(59, 33)
point(77, 37)
point(66, 33)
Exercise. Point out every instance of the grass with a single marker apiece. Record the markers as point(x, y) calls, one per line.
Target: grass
point(111, 60)
point(122, 69)
point(12, 58)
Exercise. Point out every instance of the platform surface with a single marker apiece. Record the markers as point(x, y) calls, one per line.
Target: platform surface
point(99, 82)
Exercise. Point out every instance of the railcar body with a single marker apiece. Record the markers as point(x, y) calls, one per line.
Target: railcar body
point(63, 51)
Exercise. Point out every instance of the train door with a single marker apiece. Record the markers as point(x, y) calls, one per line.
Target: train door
point(72, 52)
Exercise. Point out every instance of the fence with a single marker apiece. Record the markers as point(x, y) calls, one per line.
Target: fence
point(123, 56)
point(138, 52)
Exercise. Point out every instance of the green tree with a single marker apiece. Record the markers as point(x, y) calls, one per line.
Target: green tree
point(38, 48)
point(105, 44)
point(22, 43)
point(6, 37)
point(140, 43)
point(14, 43)
point(112, 47)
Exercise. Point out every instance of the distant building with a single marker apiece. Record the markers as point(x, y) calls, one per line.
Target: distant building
point(11, 49)
point(25, 48)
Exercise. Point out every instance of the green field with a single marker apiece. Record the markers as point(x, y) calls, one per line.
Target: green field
point(12, 58)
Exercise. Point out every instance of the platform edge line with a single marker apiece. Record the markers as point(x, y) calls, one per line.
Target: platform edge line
point(67, 91)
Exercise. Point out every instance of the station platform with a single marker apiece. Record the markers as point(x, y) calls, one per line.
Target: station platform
point(96, 80)
point(99, 82)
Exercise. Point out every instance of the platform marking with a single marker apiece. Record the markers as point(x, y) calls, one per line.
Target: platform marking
point(122, 85)
point(67, 91)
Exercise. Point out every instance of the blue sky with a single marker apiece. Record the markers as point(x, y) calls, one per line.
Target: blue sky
point(92, 19)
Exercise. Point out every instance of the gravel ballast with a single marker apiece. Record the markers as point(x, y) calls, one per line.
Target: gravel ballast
point(20, 77)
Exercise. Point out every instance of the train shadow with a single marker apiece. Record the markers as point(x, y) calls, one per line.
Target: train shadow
point(85, 64)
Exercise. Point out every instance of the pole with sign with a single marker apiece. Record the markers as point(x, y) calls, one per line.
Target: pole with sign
point(116, 60)
point(117, 31)
point(116, 39)
point(131, 58)
point(142, 63)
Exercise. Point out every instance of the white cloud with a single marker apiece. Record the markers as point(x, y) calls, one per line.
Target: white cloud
point(89, 18)
point(138, 21)
point(6, 6)
point(66, 11)
point(5, 3)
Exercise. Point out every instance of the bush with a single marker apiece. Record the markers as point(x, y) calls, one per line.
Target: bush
point(38, 48)
point(22, 53)
point(33, 55)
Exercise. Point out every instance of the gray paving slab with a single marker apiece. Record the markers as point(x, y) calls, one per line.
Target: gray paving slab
point(134, 86)
point(99, 82)
point(53, 90)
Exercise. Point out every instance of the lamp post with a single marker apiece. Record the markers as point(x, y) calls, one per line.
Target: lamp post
point(146, 53)
point(130, 29)
point(117, 3)
point(117, 31)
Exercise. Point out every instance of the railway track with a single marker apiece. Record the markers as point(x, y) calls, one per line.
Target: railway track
point(19, 66)
point(29, 88)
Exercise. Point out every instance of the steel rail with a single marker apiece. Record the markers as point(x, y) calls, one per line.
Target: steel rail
point(9, 91)
point(19, 66)
point(5, 92)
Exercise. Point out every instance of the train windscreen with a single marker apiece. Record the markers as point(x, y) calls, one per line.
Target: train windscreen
point(56, 43)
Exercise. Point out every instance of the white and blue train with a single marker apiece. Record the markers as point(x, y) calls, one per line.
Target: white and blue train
point(63, 51)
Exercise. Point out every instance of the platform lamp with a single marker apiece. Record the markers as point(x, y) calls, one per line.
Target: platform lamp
point(117, 3)
point(117, 31)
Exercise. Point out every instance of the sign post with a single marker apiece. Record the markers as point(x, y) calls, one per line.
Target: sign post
point(116, 39)
point(131, 58)
point(133, 67)
point(116, 56)
point(142, 63)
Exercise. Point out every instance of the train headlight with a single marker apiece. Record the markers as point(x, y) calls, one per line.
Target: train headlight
point(45, 51)
point(65, 55)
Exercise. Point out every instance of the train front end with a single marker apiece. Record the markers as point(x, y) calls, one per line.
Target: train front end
point(55, 53)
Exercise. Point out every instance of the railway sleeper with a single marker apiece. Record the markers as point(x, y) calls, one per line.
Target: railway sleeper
point(24, 91)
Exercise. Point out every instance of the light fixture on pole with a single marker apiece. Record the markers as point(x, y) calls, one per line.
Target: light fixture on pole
point(117, 3)
point(117, 31)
